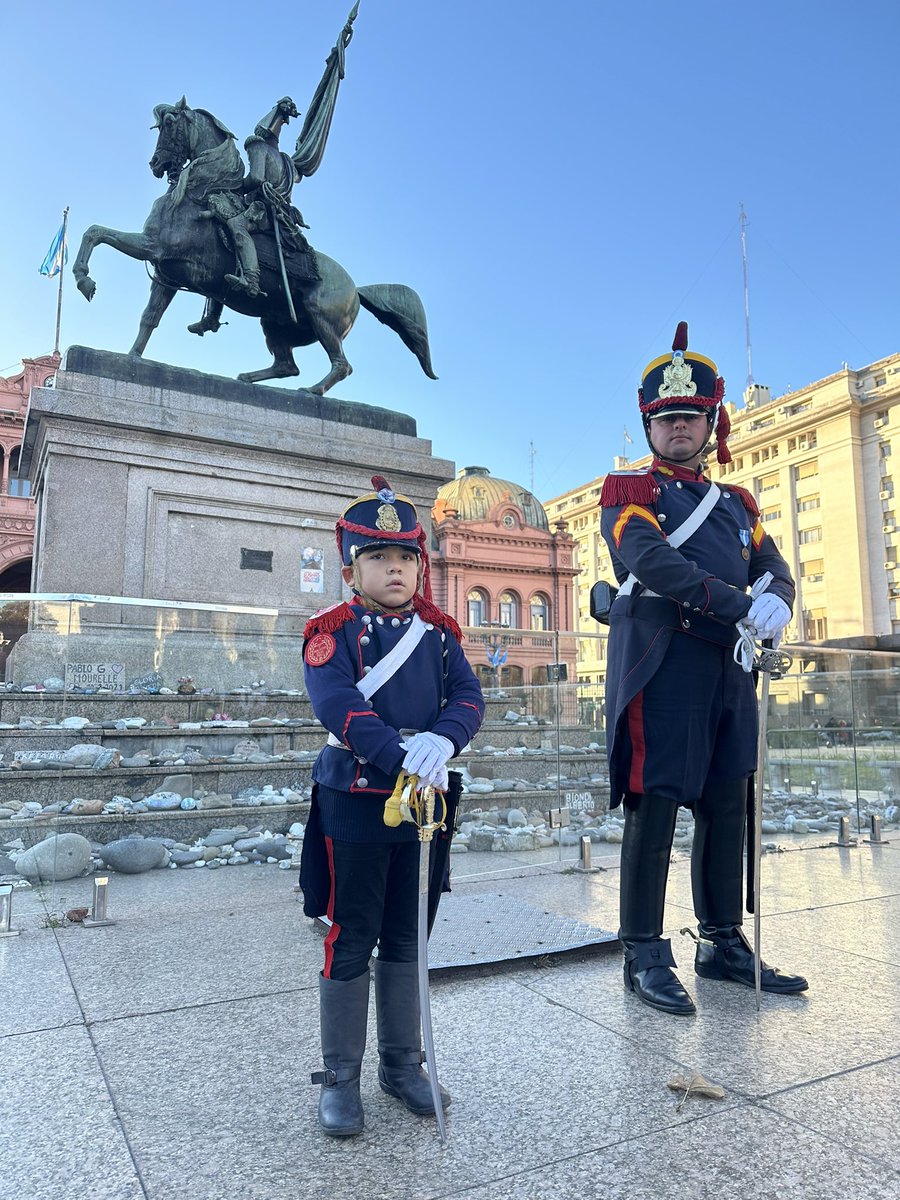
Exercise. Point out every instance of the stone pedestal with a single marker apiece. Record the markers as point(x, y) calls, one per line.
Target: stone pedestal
point(158, 482)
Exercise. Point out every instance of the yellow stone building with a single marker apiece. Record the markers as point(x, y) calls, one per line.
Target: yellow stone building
point(820, 463)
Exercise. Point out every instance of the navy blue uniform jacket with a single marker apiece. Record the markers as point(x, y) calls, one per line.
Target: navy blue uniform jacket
point(435, 689)
point(701, 586)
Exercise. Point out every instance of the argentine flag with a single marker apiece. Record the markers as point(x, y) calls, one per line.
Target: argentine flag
point(57, 255)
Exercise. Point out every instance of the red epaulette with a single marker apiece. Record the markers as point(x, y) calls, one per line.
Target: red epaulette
point(329, 619)
point(746, 498)
point(628, 487)
point(430, 612)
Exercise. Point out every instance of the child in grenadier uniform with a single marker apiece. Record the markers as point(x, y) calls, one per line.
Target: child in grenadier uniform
point(424, 708)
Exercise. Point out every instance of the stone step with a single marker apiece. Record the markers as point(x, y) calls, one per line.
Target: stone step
point(59, 785)
point(105, 706)
point(218, 737)
point(196, 823)
point(109, 707)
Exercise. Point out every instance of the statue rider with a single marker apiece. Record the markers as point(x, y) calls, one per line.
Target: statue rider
point(263, 202)
point(268, 187)
point(266, 191)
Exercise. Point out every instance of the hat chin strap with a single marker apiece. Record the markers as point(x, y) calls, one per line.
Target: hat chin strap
point(712, 424)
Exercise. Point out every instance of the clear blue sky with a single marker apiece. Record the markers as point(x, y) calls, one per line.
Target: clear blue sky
point(560, 182)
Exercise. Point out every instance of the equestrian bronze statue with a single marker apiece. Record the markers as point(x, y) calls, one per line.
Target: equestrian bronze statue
point(234, 237)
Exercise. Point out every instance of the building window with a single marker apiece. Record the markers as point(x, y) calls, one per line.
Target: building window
point(805, 503)
point(879, 380)
point(768, 482)
point(803, 441)
point(509, 609)
point(812, 570)
point(540, 611)
point(778, 540)
point(770, 514)
point(806, 470)
point(816, 624)
point(805, 536)
point(477, 607)
point(885, 449)
point(17, 487)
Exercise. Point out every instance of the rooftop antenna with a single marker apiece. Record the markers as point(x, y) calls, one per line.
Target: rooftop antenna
point(746, 295)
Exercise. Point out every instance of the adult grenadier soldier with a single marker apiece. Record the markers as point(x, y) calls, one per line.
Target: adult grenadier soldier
point(681, 713)
point(389, 681)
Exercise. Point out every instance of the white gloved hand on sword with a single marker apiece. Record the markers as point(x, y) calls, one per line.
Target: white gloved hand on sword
point(769, 615)
point(427, 755)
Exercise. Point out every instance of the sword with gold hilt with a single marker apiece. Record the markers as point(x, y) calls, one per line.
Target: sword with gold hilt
point(406, 803)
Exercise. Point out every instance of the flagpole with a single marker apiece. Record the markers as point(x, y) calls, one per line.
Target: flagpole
point(61, 273)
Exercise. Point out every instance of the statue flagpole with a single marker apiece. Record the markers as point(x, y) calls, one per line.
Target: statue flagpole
point(65, 227)
point(54, 263)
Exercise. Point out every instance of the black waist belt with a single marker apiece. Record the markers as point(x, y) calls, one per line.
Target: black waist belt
point(671, 615)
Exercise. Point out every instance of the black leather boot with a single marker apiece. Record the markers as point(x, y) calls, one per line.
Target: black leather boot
point(726, 954)
point(646, 848)
point(400, 1055)
point(717, 864)
point(649, 974)
point(343, 1016)
point(723, 951)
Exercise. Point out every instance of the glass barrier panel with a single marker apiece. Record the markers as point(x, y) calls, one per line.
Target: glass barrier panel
point(137, 734)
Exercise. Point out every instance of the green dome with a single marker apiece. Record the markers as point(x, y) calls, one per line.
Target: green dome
point(474, 494)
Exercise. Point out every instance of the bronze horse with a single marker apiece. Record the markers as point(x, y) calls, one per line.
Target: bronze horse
point(188, 253)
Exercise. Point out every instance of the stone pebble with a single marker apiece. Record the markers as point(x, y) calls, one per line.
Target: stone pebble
point(59, 856)
point(134, 855)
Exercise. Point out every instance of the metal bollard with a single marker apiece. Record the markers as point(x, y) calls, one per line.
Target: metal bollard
point(875, 828)
point(844, 838)
point(584, 856)
point(814, 787)
point(6, 892)
point(100, 905)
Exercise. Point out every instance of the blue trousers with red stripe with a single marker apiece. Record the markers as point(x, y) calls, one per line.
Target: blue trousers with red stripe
point(373, 902)
point(693, 723)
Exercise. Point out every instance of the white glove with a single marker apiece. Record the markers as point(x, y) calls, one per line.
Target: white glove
point(440, 779)
point(768, 615)
point(427, 755)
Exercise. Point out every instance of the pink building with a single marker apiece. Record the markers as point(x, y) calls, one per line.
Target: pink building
point(17, 509)
point(496, 565)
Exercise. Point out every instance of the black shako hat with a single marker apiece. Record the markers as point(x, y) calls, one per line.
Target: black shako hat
point(685, 382)
point(382, 518)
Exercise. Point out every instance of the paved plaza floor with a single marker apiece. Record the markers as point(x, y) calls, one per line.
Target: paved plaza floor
point(168, 1055)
